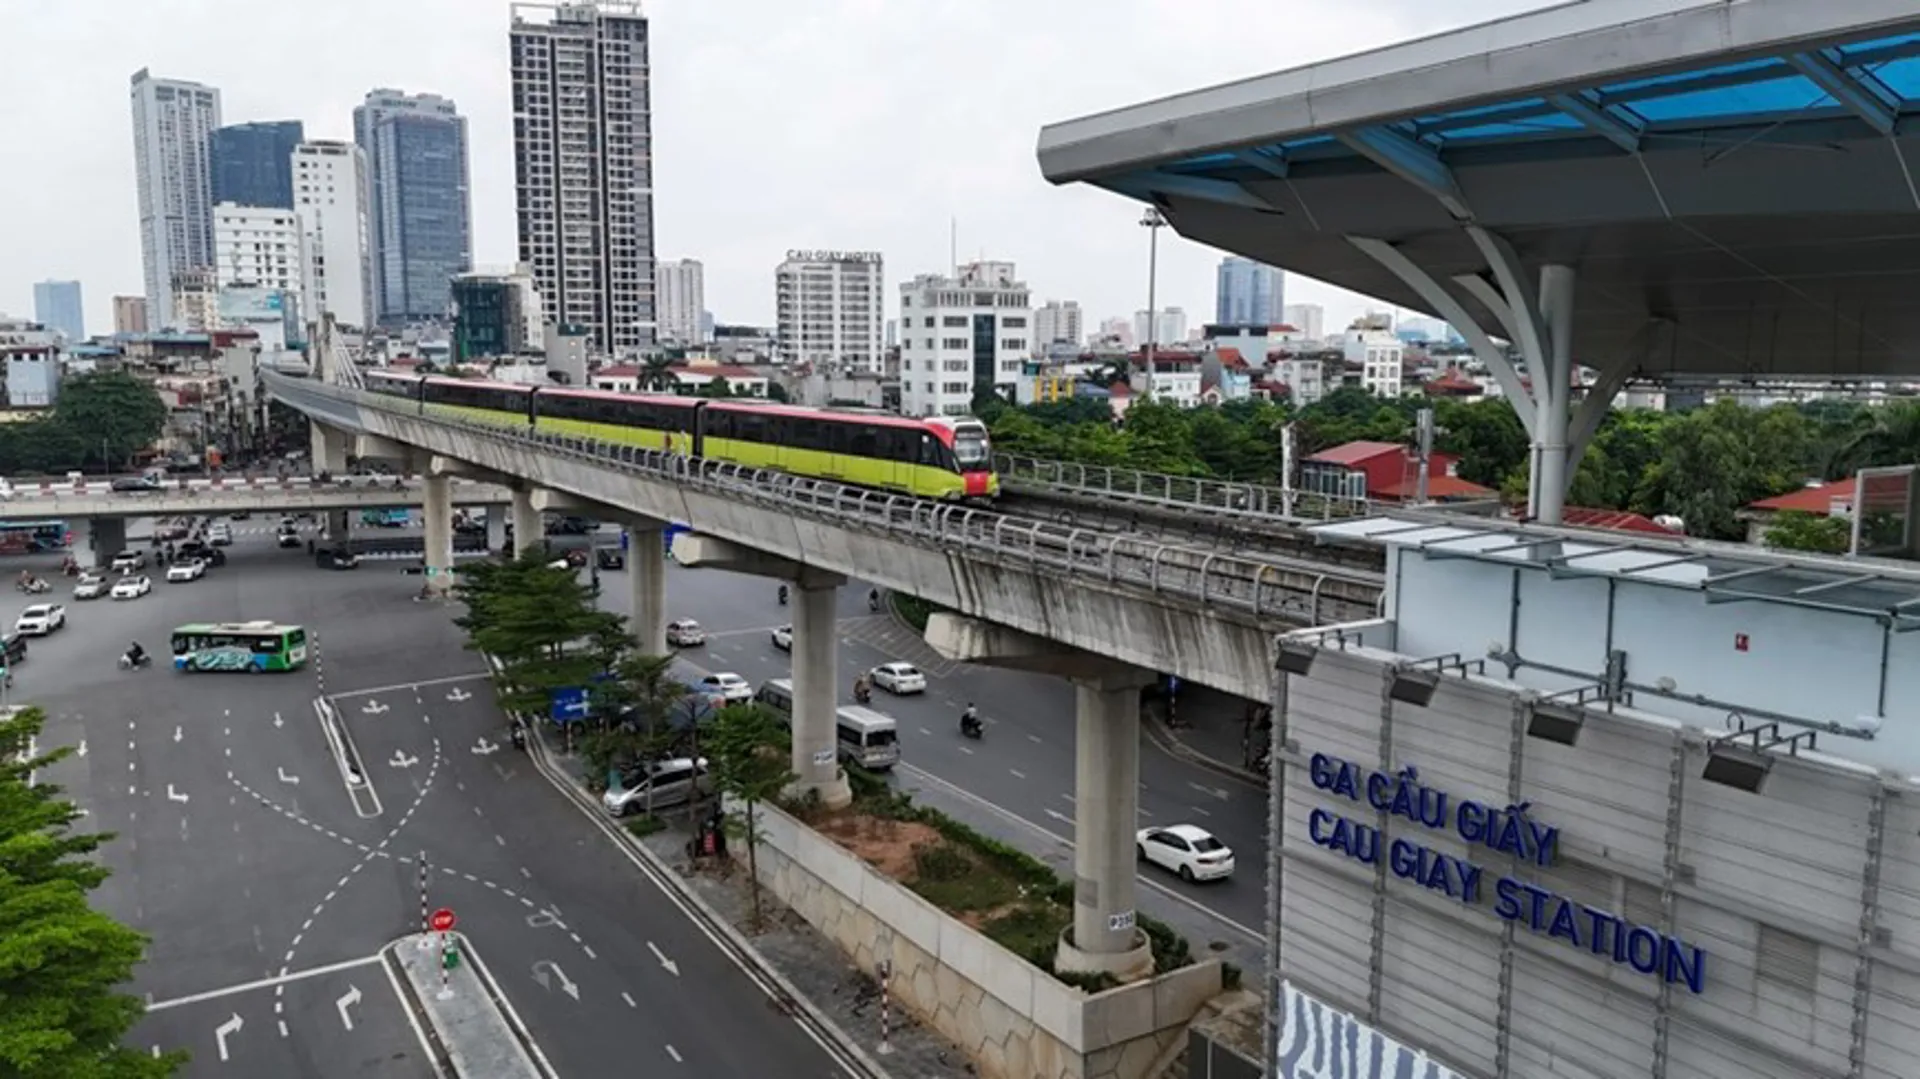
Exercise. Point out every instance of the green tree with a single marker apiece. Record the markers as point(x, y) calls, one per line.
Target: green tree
point(749, 761)
point(658, 376)
point(111, 413)
point(61, 962)
point(718, 388)
point(540, 622)
point(635, 710)
point(777, 393)
point(1795, 530)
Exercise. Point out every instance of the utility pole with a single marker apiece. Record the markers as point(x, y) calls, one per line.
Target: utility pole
point(1423, 439)
point(1153, 221)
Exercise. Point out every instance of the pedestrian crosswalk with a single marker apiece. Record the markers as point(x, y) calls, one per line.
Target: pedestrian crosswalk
point(897, 641)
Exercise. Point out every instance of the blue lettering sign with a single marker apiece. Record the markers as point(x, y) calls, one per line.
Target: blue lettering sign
point(1507, 831)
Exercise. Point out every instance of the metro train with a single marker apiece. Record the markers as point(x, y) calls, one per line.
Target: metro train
point(936, 457)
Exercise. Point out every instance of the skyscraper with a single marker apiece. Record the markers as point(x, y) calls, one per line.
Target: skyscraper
point(173, 122)
point(1248, 293)
point(253, 163)
point(419, 209)
point(56, 305)
point(330, 189)
point(683, 301)
point(583, 165)
point(830, 309)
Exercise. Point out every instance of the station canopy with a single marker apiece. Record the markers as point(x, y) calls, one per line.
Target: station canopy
point(1746, 171)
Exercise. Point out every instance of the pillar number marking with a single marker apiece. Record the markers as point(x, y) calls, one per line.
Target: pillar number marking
point(1121, 922)
point(824, 757)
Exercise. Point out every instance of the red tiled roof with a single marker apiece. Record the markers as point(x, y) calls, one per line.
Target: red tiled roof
point(718, 370)
point(1453, 382)
point(1231, 357)
point(1439, 485)
point(1356, 453)
point(1818, 499)
point(1617, 520)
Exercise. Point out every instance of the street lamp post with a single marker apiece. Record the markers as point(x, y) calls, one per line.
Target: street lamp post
point(1152, 221)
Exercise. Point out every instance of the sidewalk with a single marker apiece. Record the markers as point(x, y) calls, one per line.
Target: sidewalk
point(810, 965)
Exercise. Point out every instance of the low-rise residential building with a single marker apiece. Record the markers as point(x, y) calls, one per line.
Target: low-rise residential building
point(687, 378)
point(1176, 377)
point(1377, 354)
point(1386, 472)
point(962, 335)
point(33, 375)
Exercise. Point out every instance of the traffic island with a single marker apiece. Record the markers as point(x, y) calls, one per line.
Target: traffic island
point(881, 887)
point(475, 1031)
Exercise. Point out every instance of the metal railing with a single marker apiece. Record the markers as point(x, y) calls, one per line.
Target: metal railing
point(1189, 495)
point(1229, 583)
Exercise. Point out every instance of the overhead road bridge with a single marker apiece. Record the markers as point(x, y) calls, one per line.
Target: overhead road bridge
point(1107, 611)
point(1653, 189)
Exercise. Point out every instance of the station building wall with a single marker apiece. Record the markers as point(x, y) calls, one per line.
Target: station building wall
point(1803, 899)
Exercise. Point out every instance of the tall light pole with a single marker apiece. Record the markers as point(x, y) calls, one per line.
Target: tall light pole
point(1153, 222)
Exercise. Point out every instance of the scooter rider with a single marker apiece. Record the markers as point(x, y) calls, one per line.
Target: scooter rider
point(136, 655)
point(970, 720)
point(873, 599)
point(862, 689)
point(783, 595)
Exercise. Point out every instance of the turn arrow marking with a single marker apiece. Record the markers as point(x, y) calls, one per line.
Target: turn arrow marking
point(227, 1030)
point(351, 998)
point(671, 967)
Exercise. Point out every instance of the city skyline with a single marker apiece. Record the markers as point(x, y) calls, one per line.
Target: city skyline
point(839, 185)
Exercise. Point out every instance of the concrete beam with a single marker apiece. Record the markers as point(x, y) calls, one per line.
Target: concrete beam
point(438, 465)
point(696, 551)
point(971, 640)
point(549, 501)
point(384, 449)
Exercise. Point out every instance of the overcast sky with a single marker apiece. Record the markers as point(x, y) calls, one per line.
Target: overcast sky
point(844, 124)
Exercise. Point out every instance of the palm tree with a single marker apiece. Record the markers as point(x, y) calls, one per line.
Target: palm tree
point(658, 376)
point(1890, 435)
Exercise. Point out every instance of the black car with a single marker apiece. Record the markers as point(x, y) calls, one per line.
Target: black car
point(14, 646)
point(336, 558)
point(130, 484)
point(610, 558)
point(211, 555)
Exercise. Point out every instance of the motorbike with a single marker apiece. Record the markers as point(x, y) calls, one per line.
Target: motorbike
point(862, 695)
point(783, 595)
point(519, 737)
point(33, 587)
point(971, 727)
point(129, 663)
point(873, 601)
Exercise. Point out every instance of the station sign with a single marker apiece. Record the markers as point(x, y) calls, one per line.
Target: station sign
point(1508, 833)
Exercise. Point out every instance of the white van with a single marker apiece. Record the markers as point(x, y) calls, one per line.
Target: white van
point(865, 737)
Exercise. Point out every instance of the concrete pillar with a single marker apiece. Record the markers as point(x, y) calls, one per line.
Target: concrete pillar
point(528, 532)
point(82, 545)
point(1552, 391)
point(497, 528)
point(437, 508)
point(330, 448)
point(338, 527)
point(816, 671)
point(109, 538)
point(1106, 773)
point(647, 575)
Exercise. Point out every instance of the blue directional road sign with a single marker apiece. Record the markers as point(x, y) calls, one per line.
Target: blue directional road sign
point(570, 705)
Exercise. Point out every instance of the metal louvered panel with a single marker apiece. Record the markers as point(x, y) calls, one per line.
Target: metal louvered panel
point(1788, 959)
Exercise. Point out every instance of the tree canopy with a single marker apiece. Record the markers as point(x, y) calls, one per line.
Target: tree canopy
point(1703, 465)
point(99, 421)
point(62, 963)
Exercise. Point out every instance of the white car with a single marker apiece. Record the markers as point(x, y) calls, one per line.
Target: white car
point(899, 678)
point(1189, 851)
point(219, 535)
point(132, 587)
point(287, 537)
point(783, 638)
point(731, 687)
point(40, 620)
point(187, 569)
point(129, 560)
point(90, 586)
point(684, 632)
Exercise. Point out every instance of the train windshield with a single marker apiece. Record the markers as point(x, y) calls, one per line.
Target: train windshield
point(970, 448)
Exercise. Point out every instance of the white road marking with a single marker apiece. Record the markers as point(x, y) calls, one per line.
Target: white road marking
point(263, 983)
point(675, 1054)
point(1017, 773)
point(628, 997)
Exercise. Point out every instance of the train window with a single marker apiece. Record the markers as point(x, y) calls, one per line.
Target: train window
point(750, 426)
point(863, 442)
point(804, 434)
point(929, 450)
point(897, 444)
point(719, 424)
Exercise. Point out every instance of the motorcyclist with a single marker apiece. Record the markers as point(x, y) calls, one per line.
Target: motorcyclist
point(783, 595)
point(863, 689)
point(136, 655)
point(873, 599)
point(970, 719)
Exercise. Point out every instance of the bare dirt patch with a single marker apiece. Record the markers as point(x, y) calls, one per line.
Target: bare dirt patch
point(886, 845)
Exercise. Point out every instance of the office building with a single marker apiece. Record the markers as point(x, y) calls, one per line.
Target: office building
point(32, 375)
point(129, 314)
point(683, 301)
point(961, 336)
point(419, 209)
point(830, 310)
point(1248, 293)
point(258, 245)
point(496, 314)
point(56, 305)
point(329, 194)
point(252, 164)
point(1056, 323)
point(1171, 329)
point(583, 166)
point(1309, 318)
point(173, 122)
point(1115, 333)
point(195, 301)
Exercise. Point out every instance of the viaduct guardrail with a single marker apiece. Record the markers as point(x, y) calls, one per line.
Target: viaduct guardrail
point(1174, 495)
point(1270, 592)
point(60, 503)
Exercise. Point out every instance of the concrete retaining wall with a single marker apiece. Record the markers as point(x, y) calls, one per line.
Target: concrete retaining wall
point(1013, 1020)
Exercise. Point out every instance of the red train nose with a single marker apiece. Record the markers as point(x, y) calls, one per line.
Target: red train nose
point(976, 484)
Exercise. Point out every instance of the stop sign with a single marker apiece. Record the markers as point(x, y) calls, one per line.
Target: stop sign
point(442, 920)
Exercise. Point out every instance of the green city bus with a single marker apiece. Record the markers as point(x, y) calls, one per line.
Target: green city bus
point(239, 646)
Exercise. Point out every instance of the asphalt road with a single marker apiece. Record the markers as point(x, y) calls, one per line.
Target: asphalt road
point(268, 888)
point(1020, 773)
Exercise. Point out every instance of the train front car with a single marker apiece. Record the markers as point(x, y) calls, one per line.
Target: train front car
point(972, 452)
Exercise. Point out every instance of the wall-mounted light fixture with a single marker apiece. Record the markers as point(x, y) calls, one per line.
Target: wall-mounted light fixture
point(1556, 721)
point(1743, 757)
point(1413, 686)
point(1296, 657)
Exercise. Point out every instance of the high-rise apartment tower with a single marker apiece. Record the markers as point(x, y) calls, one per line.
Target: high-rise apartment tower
point(830, 310)
point(173, 122)
point(583, 166)
point(419, 210)
point(682, 301)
